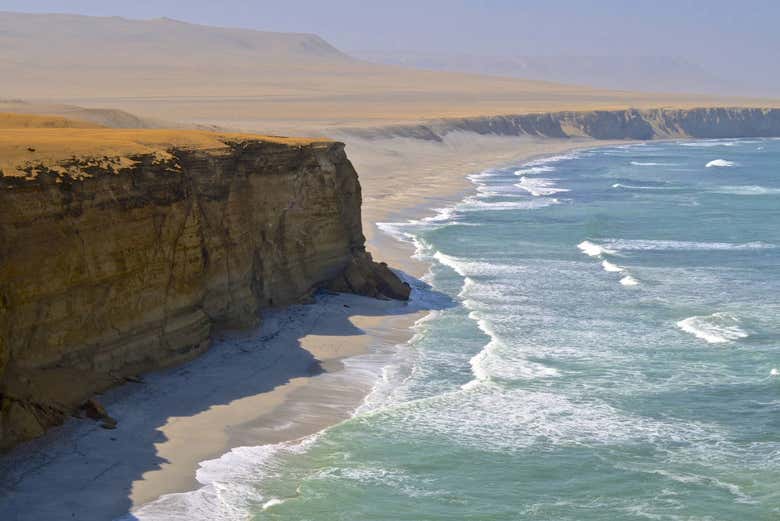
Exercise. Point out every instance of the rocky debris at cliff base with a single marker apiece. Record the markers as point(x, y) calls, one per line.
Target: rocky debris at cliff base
point(94, 409)
point(363, 276)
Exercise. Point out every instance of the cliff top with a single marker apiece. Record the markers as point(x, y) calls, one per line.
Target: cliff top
point(30, 143)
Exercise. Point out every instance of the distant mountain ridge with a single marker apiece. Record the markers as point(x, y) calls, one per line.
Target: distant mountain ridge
point(106, 40)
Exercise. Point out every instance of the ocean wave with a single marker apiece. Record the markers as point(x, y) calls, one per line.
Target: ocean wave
point(496, 361)
point(628, 280)
point(485, 174)
point(720, 163)
point(686, 478)
point(544, 165)
point(650, 163)
point(404, 231)
point(552, 159)
point(500, 419)
point(611, 268)
point(709, 144)
point(717, 328)
point(474, 204)
point(639, 187)
point(539, 187)
point(594, 250)
point(620, 245)
point(228, 491)
point(533, 170)
point(272, 503)
point(496, 190)
point(746, 190)
point(477, 268)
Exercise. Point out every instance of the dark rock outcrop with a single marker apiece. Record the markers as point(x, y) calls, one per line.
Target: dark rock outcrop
point(374, 279)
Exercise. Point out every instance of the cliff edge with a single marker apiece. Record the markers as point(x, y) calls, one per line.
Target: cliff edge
point(636, 124)
point(121, 251)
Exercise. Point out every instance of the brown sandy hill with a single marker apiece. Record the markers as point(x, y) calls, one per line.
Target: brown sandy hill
point(273, 82)
point(106, 117)
point(19, 121)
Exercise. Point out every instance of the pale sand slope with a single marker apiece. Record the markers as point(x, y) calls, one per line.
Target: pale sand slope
point(265, 81)
point(259, 388)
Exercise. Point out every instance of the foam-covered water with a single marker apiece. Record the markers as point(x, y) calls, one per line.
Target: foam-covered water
point(613, 355)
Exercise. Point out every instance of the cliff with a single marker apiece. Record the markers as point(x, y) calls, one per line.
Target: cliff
point(121, 251)
point(600, 124)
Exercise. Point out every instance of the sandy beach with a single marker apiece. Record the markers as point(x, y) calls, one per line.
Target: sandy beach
point(283, 382)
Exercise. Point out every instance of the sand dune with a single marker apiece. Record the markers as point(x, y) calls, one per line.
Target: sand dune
point(271, 82)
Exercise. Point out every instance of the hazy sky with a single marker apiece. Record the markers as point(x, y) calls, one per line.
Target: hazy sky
point(726, 36)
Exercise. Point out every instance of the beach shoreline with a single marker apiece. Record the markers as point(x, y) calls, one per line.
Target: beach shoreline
point(281, 383)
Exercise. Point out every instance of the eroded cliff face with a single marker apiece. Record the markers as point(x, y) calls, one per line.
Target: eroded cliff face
point(602, 124)
point(114, 265)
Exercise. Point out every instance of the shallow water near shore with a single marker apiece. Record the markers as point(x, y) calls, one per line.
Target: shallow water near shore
point(613, 354)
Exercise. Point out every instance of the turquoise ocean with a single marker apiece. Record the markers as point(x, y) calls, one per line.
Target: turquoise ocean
point(605, 346)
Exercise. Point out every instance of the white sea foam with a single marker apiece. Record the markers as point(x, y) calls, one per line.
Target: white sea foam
point(720, 163)
point(717, 328)
point(497, 418)
point(498, 190)
point(485, 174)
point(272, 503)
point(474, 204)
point(664, 245)
point(774, 372)
point(628, 280)
point(612, 268)
point(539, 187)
point(227, 492)
point(635, 187)
point(442, 214)
point(477, 268)
point(543, 165)
point(594, 250)
point(709, 144)
point(746, 190)
point(533, 170)
point(496, 361)
point(552, 159)
point(649, 163)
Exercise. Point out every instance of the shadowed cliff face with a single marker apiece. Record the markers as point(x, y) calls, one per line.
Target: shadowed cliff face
point(129, 267)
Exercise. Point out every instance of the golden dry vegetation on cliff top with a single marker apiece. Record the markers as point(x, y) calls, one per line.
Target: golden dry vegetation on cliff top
point(28, 142)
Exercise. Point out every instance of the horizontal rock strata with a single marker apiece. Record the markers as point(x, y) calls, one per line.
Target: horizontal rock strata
point(601, 124)
point(124, 262)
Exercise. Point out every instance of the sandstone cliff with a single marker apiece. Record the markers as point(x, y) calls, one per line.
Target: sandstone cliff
point(121, 251)
point(601, 124)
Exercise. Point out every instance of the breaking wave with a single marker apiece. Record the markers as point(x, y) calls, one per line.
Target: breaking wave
point(720, 163)
point(620, 245)
point(717, 328)
point(592, 249)
point(539, 187)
